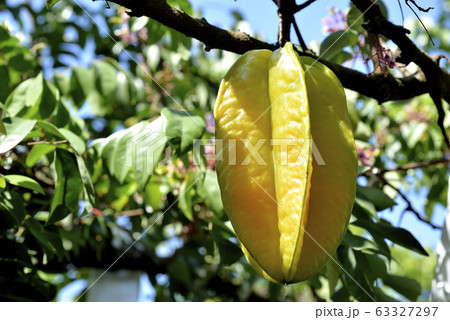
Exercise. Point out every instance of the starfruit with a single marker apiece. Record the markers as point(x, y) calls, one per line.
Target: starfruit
point(286, 161)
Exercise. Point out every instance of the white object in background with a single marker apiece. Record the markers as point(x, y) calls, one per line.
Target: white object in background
point(440, 290)
point(114, 286)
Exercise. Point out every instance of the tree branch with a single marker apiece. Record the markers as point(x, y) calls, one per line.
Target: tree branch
point(285, 18)
point(437, 81)
point(299, 35)
point(413, 165)
point(302, 6)
point(200, 29)
point(409, 205)
point(378, 87)
point(441, 115)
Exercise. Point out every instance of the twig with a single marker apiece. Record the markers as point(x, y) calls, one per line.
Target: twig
point(46, 142)
point(418, 7)
point(302, 6)
point(286, 11)
point(401, 10)
point(418, 18)
point(441, 115)
point(299, 35)
point(409, 205)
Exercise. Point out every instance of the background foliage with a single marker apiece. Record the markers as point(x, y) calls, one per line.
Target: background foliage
point(69, 200)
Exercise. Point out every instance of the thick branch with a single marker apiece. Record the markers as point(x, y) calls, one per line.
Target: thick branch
point(200, 29)
point(285, 18)
point(438, 79)
point(378, 87)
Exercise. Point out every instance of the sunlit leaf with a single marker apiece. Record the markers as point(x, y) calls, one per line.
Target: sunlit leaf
point(16, 129)
point(183, 127)
point(37, 152)
point(24, 182)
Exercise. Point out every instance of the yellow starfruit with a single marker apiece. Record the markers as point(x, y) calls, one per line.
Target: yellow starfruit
point(286, 161)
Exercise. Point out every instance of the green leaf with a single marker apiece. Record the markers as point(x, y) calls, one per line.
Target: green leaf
point(363, 244)
point(181, 4)
point(342, 295)
point(333, 270)
point(37, 152)
point(336, 42)
point(182, 127)
point(155, 31)
point(229, 252)
point(11, 203)
point(178, 271)
point(108, 151)
point(209, 191)
point(22, 62)
point(199, 158)
point(376, 266)
point(380, 296)
point(68, 186)
point(51, 3)
point(24, 182)
point(407, 287)
point(139, 147)
point(62, 82)
point(106, 78)
point(125, 144)
point(75, 141)
point(4, 83)
point(185, 198)
point(383, 9)
point(46, 103)
point(153, 194)
point(355, 19)
point(16, 129)
point(341, 57)
point(49, 128)
point(2, 127)
point(362, 207)
point(354, 279)
point(2, 184)
point(380, 199)
point(16, 100)
point(34, 91)
point(88, 187)
point(413, 132)
point(82, 82)
point(62, 115)
point(50, 241)
point(399, 236)
point(123, 93)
